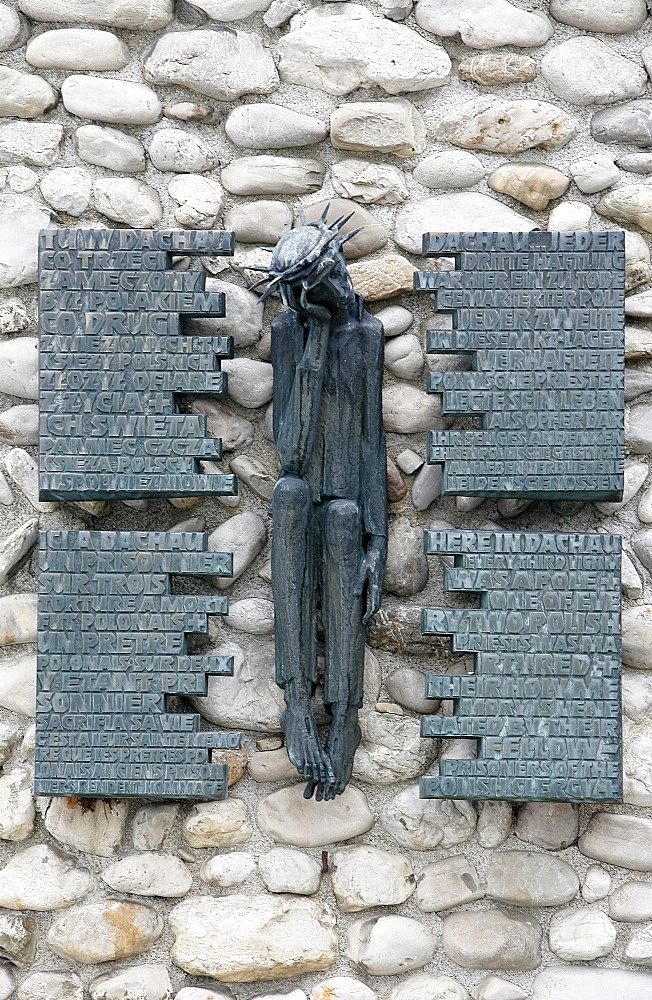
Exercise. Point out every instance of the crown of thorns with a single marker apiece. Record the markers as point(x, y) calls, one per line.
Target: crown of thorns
point(293, 262)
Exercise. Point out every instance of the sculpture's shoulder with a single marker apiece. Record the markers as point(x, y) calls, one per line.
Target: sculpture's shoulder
point(286, 323)
point(372, 332)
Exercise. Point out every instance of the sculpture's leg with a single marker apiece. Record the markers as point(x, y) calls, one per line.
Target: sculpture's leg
point(294, 585)
point(344, 633)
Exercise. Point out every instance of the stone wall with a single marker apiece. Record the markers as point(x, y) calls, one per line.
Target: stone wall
point(459, 114)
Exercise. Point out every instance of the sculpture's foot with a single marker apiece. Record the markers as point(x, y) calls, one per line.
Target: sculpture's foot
point(342, 742)
point(304, 746)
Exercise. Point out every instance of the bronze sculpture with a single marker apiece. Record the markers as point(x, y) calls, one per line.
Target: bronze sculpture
point(330, 502)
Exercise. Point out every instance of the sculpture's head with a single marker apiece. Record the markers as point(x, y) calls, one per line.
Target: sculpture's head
point(308, 267)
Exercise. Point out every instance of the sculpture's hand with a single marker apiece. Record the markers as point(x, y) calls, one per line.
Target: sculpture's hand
point(371, 572)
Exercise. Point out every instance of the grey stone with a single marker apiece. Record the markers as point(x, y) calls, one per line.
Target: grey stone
point(585, 71)
point(390, 126)
point(254, 474)
point(217, 824)
point(117, 102)
point(226, 870)
point(254, 615)
point(250, 699)
point(363, 877)
point(395, 320)
point(527, 878)
point(640, 305)
point(484, 24)
point(589, 983)
point(407, 410)
point(597, 884)
point(78, 49)
point(631, 902)
point(637, 695)
point(245, 535)
point(424, 986)
point(17, 939)
point(551, 825)
point(251, 383)
point(19, 367)
point(450, 882)
point(284, 869)
point(67, 189)
point(494, 823)
point(629, 123)
point(404, 356)
point(341, 50)
point(110, 148)
point(249, 175)
point(238, 938)
point(243, 322)
point(183, 152)
point(220, 64)
point(139, 15)
point(124, 199)
point(406, 686)
point(450, 169)
point(581, 934)
point(15, 547)
point(24, 95)
point(230, 10)
point(389, 945)
point(234, 431)
point(271, 765)
point(636, 163)
point(611, 16)
point(199, 200)
point(424, 824)
point(140, 982)
point(13, 316)
point(36, 143)
point(370, 183)
point(94, 827)
point(43, 878)
point(21, 219)
point(271, 126)
point(104, 931)
point(406, 569)
point(372, 235)
point(51, 986)
point(150, 874)
point(495, 69)
point(635, 475)
point(467, 211)
point(637, 382)
point(426, 486)
point(533, 184)
point(594, 173)
point(625, 841)
point(153, 823)
point(495, 125)
point(259, 221)
point(288, 818)
point(637, 620)
point(23, 470)
point(638, 429)
point(492, 939)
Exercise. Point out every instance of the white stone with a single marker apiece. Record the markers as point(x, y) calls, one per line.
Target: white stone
point(391, 749)
point(370, 183)
point(342, 988)
point(484, 24)
point(272, 765)
point(639, 948)
point(51, 986)
point(183, 152)
point(395, 320)
point(285, 870)
point(153, 823)
point(451, 169)
point(245, 535)
point(67, 189)
point(199, 200)
point(43, 878)
point(139, 15)
point(637, 622)
point(230, 10)
point(496, 125)
point(95, 826)
point(124, 199)
point(149, 874)
point(271, 126)
point(243, 322)
point(23, 470)
point(424, 824)
point(15, 547)
point(569, 216)
point(11, 28)
point(288, 818)
point(104, 931)
point(34, 142)
point(248, 175)
point(611, 16)
point(217, 824)
point(586, 71)
point(24, 95)
point(340, 50)
point(16, 804)
point(21, 220)
point(625, 841)
point(594, 173)
point(254, 475)
point(582, 934)
point(17, 619)
point(386, 946)
point(13, 314)
point(110, 148)
point(637, 694)
point(251, 383)
point(408, 410)
point(117, 102)
point(493, 988)
point(259, 221)
point(139, 982)
point(220, 64)
point(254, 615)
point(221, 993)
point(18, 684)
point(251, 698)
point(390, 126)
point(450, 882)
point(424, 986)
point(78, 49)
point(631, 902)
point(226, 870)
point(240, 939)
point(635, 475)
point(363, 877)
point(19, 367)
point(467, 212)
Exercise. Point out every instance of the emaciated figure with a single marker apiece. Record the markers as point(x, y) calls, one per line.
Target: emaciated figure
point(330, 503)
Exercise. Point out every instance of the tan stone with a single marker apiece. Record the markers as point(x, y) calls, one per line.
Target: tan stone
point(631, 203)
point(533, 184)
point(498, 68)
point(383, 278)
